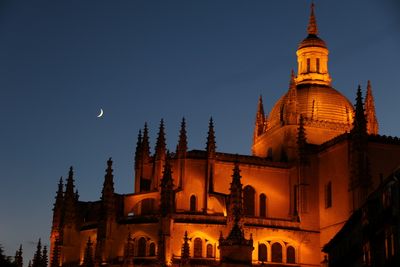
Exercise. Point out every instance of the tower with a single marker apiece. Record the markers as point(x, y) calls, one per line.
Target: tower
point(312, 56)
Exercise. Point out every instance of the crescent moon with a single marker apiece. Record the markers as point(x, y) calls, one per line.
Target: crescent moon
point(101, 113)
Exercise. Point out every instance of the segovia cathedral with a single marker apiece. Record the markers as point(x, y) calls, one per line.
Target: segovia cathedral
point(315, 159)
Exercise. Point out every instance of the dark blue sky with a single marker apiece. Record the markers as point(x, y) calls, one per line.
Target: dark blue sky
point(61, 61)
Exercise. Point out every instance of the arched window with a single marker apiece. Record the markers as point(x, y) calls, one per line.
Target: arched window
point(248, 200)
point(152, 249)
point(318, 65)
point(193, 203)
point(198, 248)
point(276, 252)
point(142, 247)
point(263, 206)
point(210, 251)
point(290, 255)
point(262, 252)
point(308, 65)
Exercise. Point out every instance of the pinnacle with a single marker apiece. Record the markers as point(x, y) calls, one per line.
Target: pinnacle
point(109, 163)
point(182, 143)
point(211, 137)
point(260, 106)
point(312, 24)
point(359, 124)
point(160, 146)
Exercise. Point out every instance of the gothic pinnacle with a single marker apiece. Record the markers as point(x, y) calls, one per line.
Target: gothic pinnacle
point(69, 190)
point(138, 152)
point(160, 145)
point(359, 123)
point(211, 138)
point(312, 24)
point(182, 143)
point(145, 143)
point(108, 185)
point(370, 114)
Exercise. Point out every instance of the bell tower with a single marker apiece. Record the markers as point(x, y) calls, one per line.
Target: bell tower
point(312, 57)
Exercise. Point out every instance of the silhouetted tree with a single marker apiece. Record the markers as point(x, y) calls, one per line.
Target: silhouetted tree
point(5, 261)
point(18, 259)
point(44, 260)
point(37, 257)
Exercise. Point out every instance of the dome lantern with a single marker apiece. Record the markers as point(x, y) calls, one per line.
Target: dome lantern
point(312, 57)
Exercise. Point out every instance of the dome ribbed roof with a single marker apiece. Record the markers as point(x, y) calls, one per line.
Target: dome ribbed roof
point(316, 103)
point(312, 40)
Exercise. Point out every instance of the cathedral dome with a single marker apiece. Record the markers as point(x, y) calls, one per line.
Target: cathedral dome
point(316, 103)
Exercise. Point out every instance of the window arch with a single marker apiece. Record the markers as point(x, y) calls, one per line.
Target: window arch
point(263, 206)
point(248, 200)
point(276, 252)
point(193, 203)
point(210, 250)
point(262, 252)
point(290, 255)
point(198, 248)
point(152, 249)
point(142, 247)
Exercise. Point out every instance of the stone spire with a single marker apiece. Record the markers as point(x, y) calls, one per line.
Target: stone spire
point(236, 194)
point(211, 139)
point(138, 151)
point(236, 248)
point(291, 105)
point(260, 119)
point(107, 193)
point(70, 199)
point(129, 251)
point(145, 144)
point(359, 123)
point(369, 107)
point(167, 198)
point(88, 260)
point(181, 148)
point(185, 254)
point(312, 23)
point(58, 205)
point(160, 145)
point(360, 180)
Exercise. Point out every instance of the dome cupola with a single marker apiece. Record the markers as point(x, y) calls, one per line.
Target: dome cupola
point(312, 56)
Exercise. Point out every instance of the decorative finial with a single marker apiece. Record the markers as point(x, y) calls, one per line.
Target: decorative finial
point(145, 146)
point(312, 24)
point(211, 138)
point(370, 114)
point(160, 145)
point(181, 148)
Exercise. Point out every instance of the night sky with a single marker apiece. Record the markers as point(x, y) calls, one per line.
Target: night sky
point(61, 61)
